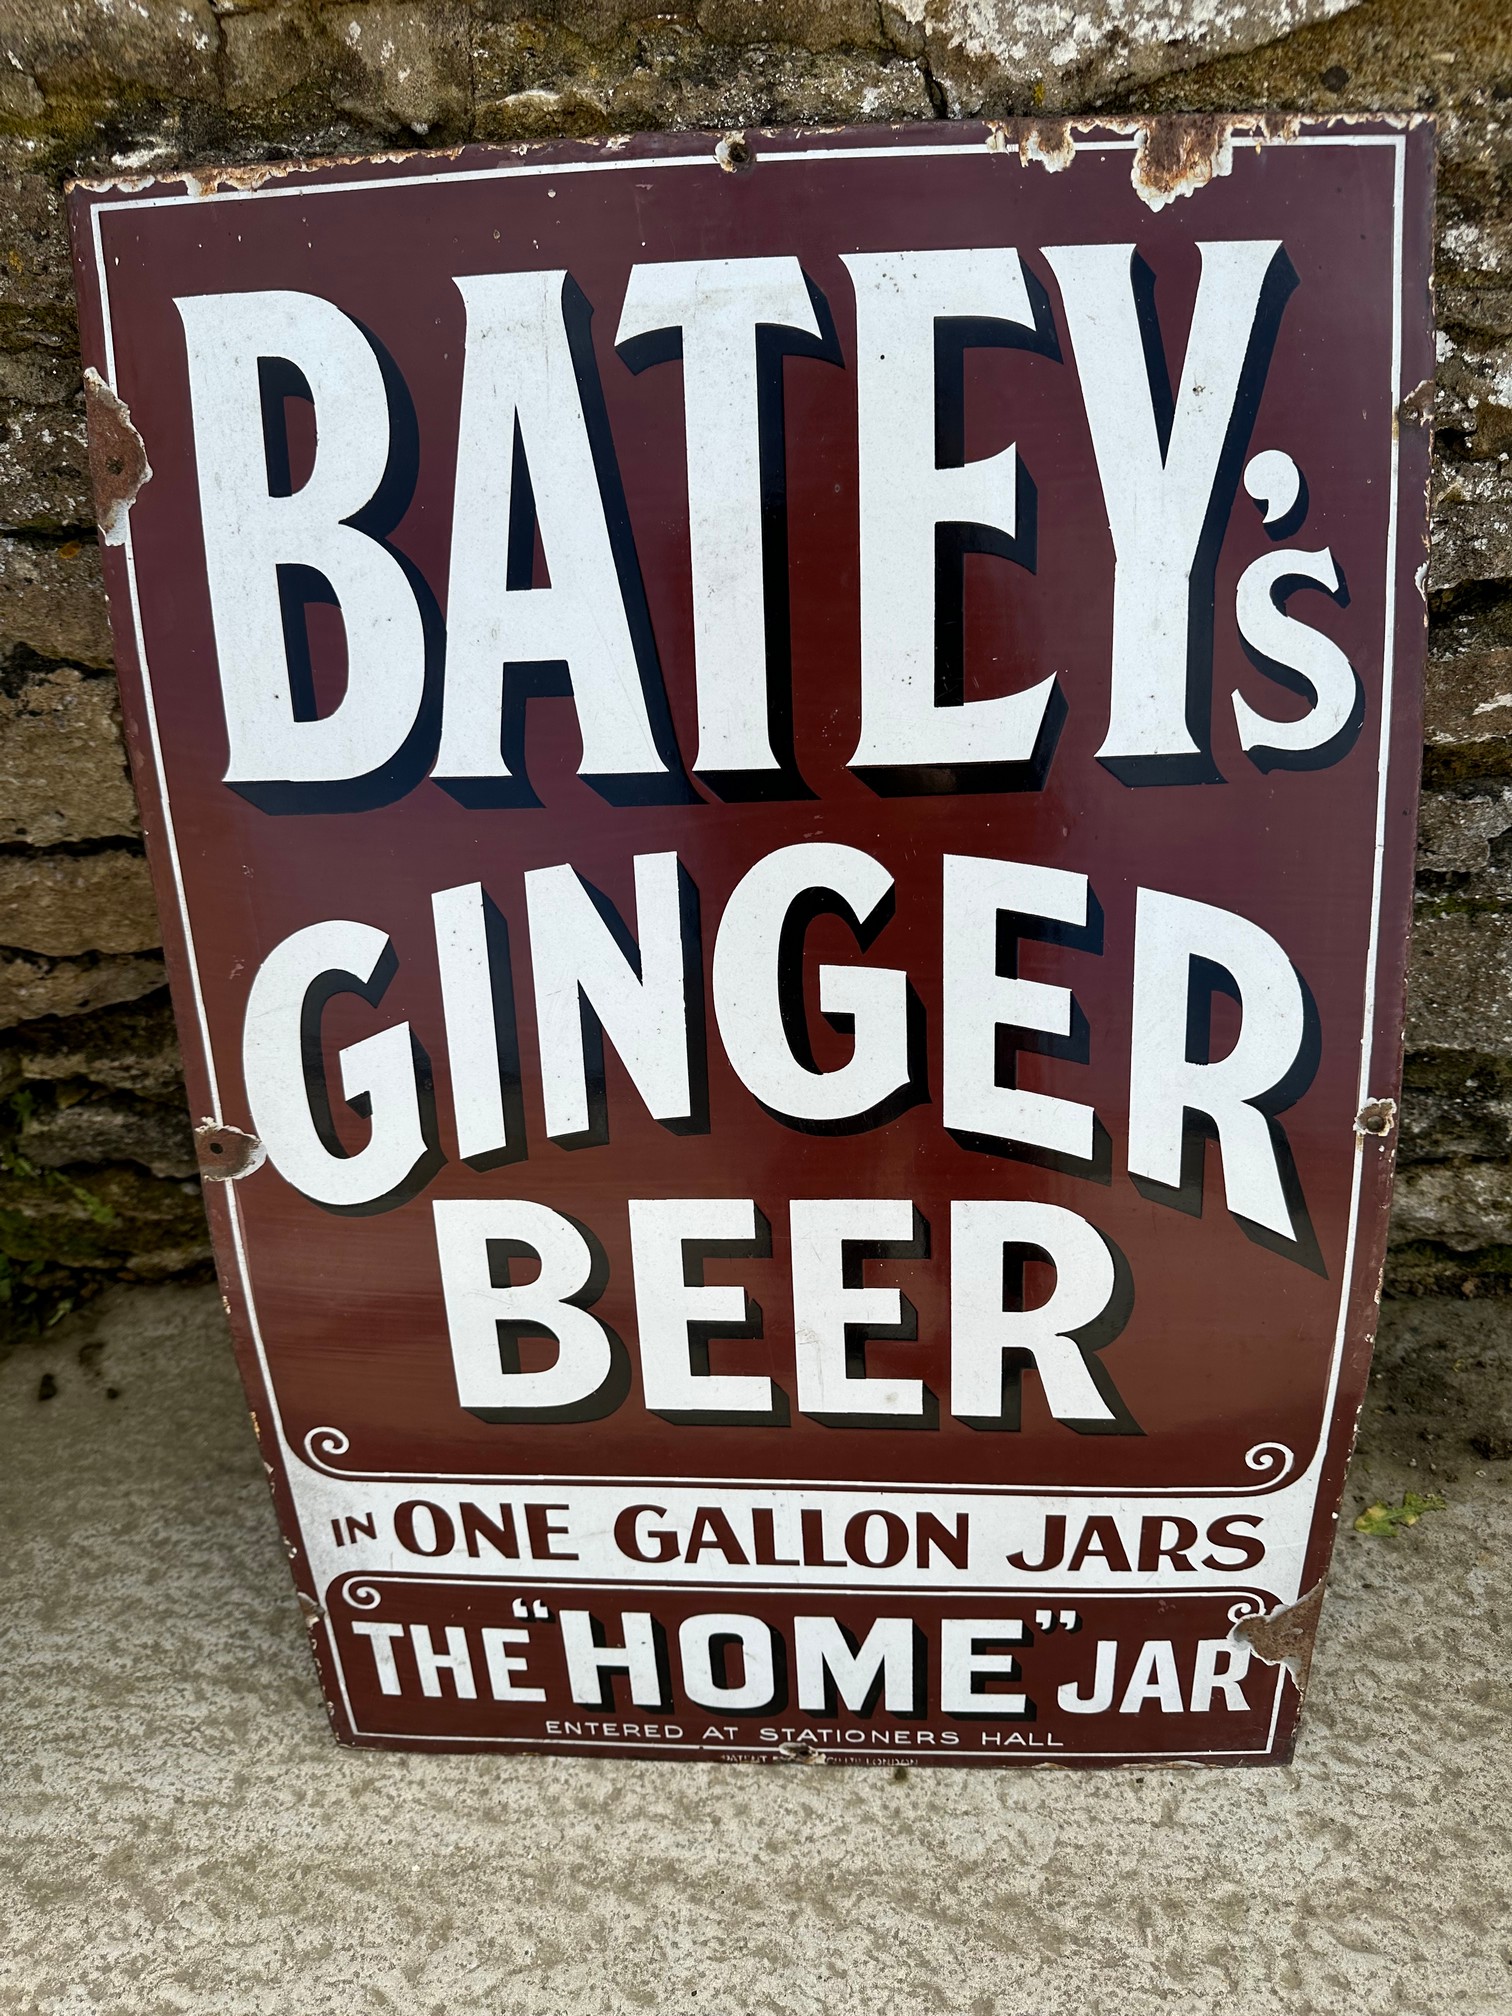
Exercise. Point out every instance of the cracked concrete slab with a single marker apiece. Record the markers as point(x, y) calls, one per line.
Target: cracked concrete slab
point(181, 1834)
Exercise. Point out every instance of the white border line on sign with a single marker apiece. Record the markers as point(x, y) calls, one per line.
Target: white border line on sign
point(812, 156)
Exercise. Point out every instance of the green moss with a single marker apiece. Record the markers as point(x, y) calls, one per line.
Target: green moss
point(35, 1294)
point(1452, 896)
point(65, 1233)
point(56, 1183)
point(1384, 1522)
point(18, 1110)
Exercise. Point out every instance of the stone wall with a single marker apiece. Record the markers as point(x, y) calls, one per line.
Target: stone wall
point(96, 1165)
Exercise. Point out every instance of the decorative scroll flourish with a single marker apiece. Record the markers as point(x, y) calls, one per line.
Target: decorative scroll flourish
point(1247, 1606)
point(1272, 1459)
point(323, 1442)
point(362, 1596)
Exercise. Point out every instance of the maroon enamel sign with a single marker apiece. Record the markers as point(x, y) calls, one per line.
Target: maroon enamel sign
point(781, 778)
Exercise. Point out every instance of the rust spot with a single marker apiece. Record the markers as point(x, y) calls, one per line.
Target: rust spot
point(1159, 175)
point(1049, 142)
point(225, 1153)
point(800, 1751)
point(1175, 156)
point(219, 179)
point(1376, 1116)
point(1286, 1636)
point(118, 465)
point(1416, 410)
point(735, 153)
point(212, 181)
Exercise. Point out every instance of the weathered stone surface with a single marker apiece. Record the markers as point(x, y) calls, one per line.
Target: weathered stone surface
point(1472, 527)
point(412, 70)
point(1459, 994)
point(36, 280)
point(993, 56)
point(63, 904)
point(40, 377)
point(1468, 707)
point(1385, 55)
point(1462, 1205)
point(52, 600)
point(117, 1217)
point(62, 764)
point(1475, 308)
point(831, 24)
point(786, 87)
point(1456, 828)
point(1473, 398)
point(291, 60)
point(274, 54)
point(131, 1047)
point(1454, 1106)
point(97, 1130)
point(591, 68)
point(1472, 243)
point(537, 80)
point(44, 470)
point(1441, 1377)
point(392, 69)
point(31, 987)
point(85, 61)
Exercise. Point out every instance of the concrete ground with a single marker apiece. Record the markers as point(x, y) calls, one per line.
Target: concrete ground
point(179, 1832)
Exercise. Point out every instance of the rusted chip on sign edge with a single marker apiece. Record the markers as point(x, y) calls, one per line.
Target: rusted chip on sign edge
point(1377, 1117)
point(1050, 142)
point(734, 153)
point(1285, 1637)
point(1167, 164)
point(118, 465)
point(800, 1751)
point(225, 1153)
point(246, 178)
point(1174, 154)
point(1416, 408)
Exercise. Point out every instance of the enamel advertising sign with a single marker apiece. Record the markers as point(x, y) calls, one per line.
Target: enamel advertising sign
point(781, 776)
